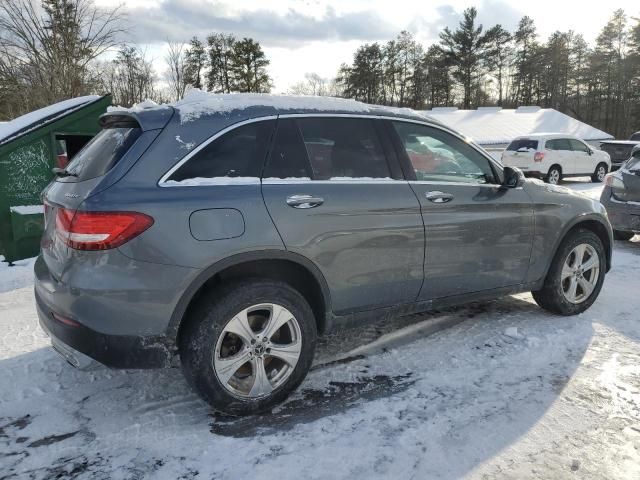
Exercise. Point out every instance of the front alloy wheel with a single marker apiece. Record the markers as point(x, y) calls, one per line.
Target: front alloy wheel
point(575, 276)
point(580, 273)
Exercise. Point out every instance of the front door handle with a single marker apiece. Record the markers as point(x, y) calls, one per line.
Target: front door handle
point(438, 197)
point(304, 201)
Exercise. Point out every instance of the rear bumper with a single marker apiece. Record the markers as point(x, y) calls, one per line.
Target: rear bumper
point(622, 215)
point(82, 346)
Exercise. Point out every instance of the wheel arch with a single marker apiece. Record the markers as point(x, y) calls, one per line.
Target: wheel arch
point(292, 268)
point(593, 223)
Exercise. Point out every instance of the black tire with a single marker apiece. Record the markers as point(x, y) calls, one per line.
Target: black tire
point(596, 177)
point(206, 322)
point(549, 178)
point(551, 296)
point(623, 235)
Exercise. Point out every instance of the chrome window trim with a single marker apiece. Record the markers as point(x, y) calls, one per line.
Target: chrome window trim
point(426, 123)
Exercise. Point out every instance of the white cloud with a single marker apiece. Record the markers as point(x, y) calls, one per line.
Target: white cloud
point(316, 36)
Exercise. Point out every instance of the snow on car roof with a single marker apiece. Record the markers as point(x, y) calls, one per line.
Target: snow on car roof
point(197, 103)
point(494, 126)
point(37, 118)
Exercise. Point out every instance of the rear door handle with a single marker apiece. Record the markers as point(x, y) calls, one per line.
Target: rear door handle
point(438, 197)
point(304, 201)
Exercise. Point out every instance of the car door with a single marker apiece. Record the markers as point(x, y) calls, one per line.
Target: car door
point(560, 153)
point(478, 233)
point(584, 160)
point(337, 196)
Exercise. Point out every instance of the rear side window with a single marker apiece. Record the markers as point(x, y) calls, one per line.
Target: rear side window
point(558, 144)
point(238, 153)
point(523, 144)
point(103, 152)
point(342, 148)
point(578, 146)
point(327, 148)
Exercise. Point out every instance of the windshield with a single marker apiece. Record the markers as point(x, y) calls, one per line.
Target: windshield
point(103, 152)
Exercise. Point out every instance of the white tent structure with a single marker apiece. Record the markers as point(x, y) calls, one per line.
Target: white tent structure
point(494, 127)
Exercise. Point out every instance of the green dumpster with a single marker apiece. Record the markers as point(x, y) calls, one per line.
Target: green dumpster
point(30, 146)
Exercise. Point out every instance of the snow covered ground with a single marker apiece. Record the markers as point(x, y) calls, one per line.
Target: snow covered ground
point(499, 389)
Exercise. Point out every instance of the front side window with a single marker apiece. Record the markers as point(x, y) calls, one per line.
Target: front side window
point(578, 146)
point(239, 153)
point(436, 155)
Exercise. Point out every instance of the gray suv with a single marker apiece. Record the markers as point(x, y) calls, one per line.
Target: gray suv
point(224, 233)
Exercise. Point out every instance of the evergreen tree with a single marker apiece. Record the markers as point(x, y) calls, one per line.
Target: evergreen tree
point(248, 65)
point(500, 58)
point(220, 52)
point(195, 62)
point(525, 62)
point(467, 50)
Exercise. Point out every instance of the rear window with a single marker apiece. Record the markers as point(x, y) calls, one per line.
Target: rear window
point(103, 152)
point(523, 144)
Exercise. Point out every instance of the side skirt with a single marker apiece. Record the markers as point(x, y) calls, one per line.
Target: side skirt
point(356, 319)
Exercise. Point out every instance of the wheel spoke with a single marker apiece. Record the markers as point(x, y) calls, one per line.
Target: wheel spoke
point(571, 292)
point(279, 317)
point(589, 264)
point(287, 353)
point(587, 287)
point(580, 249)
point(226, 367)
point(239, 325)
point(261, 383)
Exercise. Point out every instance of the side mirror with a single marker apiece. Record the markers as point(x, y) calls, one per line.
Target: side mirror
point(590, 151)
point(513, 177)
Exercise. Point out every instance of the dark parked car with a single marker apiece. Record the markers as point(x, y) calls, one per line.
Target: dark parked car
point(621, 197)
point(620, 150)
point(225, 233)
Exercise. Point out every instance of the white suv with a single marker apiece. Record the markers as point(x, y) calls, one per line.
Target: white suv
point(552, 156)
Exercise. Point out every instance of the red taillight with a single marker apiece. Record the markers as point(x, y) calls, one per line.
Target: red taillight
point(99, 230)
point(538, 157)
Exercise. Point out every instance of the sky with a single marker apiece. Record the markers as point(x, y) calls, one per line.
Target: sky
point(300, 36)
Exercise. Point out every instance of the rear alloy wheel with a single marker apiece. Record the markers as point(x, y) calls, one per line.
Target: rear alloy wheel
point(599, 173)
point(249, 346)
point(576, 274)
point(554, 176)
point(623, 235)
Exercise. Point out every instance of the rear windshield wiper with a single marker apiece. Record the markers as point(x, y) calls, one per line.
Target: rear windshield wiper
point(61, 172)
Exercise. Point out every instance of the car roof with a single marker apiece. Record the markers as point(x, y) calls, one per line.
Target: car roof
point(237, 107)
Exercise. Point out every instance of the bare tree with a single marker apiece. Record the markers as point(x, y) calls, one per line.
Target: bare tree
point(175, 59)
point(46, 48)
point(314, 84)
point(129, 77)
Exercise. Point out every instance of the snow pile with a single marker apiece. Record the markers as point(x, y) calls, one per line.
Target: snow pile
point(493, 126)
point(44, 115)
point(138, 107)
point(27, 209)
